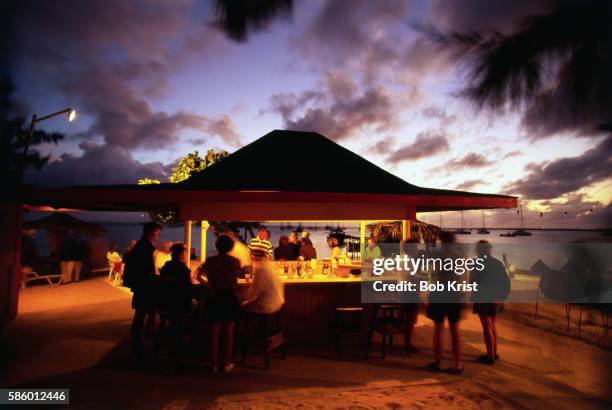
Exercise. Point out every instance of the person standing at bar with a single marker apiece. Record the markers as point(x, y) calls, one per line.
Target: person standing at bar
point(295, 245)
point(372, 251)
point(307, 250)
point(220, 274)
point(493, 287)
point(443, 305)
point(283, 251)
point(139, 275)
point(261, 243)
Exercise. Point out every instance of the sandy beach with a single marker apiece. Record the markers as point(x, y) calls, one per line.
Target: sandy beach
point(540, 366)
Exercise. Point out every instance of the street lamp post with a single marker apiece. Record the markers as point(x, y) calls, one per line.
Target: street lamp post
point(71, 116)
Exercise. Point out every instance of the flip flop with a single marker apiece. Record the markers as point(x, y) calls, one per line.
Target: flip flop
point(485, 359)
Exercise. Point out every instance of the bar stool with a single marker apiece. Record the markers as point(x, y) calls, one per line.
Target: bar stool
point(348, 322)
point(267, 335)
point(389, 320)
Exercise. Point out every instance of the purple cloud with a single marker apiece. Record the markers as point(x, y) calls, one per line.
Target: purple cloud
point(338, 110)
point(99, 165)
point(427, 144)
point(565, 175)
point(469, 184)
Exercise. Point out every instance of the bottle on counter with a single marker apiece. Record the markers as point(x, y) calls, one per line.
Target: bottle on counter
point(334, 266)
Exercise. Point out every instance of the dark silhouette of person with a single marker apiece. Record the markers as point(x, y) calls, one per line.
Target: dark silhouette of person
point(493, 286)
point(284, 250)
point(222, 308)
point(307, 250)
point(445, 305)
point(138, 275)
point(176, 290)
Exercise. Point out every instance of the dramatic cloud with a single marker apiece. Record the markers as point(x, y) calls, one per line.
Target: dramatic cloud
point(440, 114)
point(564, 175)
point(225, 128)
point(342, 33)
point(573, 209)
point(469, 184)
point(375, 42)
point(338, 110)
point(511, 154)
point(382, 147)
point(427, 144)
point(551, 114)
point(471, 160)
point(99, 165)
point(108, 58)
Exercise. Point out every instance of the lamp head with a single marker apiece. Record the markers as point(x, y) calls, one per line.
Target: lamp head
point(71, 115)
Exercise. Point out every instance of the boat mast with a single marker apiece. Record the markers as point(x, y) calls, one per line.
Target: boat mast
point(483, 224)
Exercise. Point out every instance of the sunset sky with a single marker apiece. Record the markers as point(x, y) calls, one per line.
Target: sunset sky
point(153, 81)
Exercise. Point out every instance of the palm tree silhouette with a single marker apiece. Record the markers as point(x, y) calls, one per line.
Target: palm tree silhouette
point(238, 18)
point(559, 62)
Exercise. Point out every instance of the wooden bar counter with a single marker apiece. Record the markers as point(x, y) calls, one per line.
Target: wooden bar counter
point(310, 303)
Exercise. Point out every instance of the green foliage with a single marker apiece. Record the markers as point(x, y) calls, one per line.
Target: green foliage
point(193, 163)
point(148, 181)
point(187, 166)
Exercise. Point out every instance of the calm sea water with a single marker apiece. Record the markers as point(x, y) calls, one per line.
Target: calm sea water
point(520, 251)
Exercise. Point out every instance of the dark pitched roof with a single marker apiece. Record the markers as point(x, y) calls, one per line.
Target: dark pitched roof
point(297, 161)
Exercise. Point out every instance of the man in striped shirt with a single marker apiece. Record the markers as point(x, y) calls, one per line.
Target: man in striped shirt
point(260, 243)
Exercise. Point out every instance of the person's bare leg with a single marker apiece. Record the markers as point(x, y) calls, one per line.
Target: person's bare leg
point(486, 332)
point(215, 330)
point(437, 343)
point(494, 334)
point(412, 319)
point(229, 342)
point(454, 328)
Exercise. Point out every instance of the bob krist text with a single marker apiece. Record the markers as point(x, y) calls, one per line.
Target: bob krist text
point(410, 265)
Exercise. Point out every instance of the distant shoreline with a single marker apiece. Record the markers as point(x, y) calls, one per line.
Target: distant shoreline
point(539, 229)
point(445, 228)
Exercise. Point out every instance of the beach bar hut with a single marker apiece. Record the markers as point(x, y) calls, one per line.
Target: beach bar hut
point(282, 176)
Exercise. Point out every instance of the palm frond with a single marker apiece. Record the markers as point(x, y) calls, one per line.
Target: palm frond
point(237, 18)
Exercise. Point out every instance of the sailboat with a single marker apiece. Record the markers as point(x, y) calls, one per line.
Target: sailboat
point(522, 231)
point(463, 231)
point(483, 230)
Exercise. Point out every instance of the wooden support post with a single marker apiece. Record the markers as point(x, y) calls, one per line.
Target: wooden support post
point(362, 238)
point(187, 240)
point(203, 229)
point(11, 223)
point(410, 216)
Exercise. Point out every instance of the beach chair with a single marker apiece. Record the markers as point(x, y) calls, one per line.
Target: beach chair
point(115, 272)
point(507, 265)
point(103, 269)
point(603, 309)
point(28, 275)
